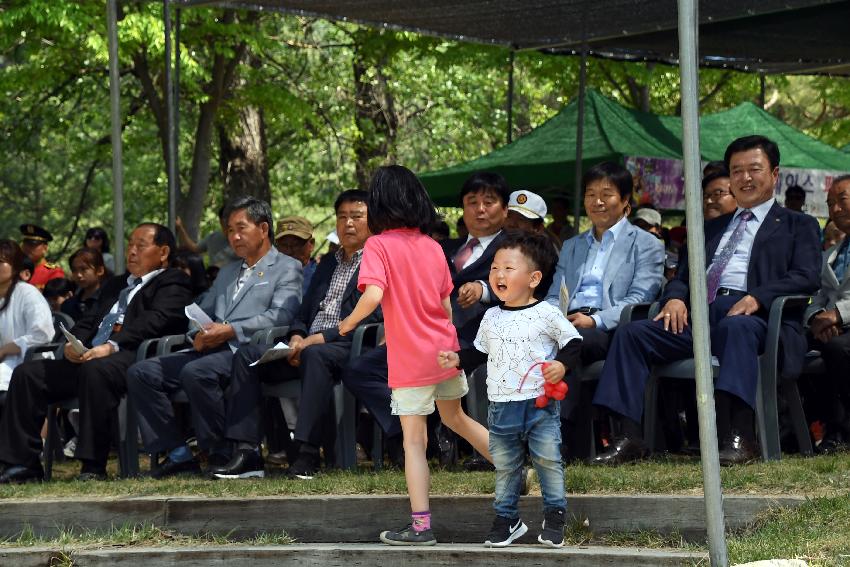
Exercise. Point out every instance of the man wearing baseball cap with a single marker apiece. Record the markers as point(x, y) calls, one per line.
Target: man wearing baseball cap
point(34, 244)
point(649, 220)
point(527, 212)
point(294, 238)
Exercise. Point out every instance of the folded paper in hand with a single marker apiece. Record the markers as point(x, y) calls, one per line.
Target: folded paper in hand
point(278, 351)
point(564, 297)
point(75, 343)
point(197, 316)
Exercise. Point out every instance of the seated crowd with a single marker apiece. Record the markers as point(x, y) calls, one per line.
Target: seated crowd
point(265, 276)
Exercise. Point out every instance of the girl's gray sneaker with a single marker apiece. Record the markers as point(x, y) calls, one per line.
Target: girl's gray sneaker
point(553, 528)
point(408, 536)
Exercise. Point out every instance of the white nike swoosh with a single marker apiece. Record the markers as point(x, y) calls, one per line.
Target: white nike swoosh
point(516, 527)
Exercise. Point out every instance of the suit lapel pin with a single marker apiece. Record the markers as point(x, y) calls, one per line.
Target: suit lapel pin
point(260, 274)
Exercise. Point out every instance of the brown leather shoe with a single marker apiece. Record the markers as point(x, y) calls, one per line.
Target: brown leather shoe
point(624, 450)
point(738, 450)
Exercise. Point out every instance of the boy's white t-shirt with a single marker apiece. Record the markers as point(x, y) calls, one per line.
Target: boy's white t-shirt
point(514, 338)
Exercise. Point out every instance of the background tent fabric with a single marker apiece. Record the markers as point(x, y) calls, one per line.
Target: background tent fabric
point(543, 160)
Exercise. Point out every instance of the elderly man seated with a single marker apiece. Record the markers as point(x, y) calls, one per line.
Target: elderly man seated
point(828, 322)
point(146, 303)
point(261, 290)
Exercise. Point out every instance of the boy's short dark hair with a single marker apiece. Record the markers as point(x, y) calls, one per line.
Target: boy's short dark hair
point(535, 246)
point(746, 143)
point(488, 182)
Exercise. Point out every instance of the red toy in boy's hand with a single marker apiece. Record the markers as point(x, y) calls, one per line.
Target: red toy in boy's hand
point(557, 391)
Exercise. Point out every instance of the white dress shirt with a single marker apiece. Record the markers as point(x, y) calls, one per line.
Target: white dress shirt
point(734, 275)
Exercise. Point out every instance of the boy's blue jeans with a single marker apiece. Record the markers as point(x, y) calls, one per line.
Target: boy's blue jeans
point(511, 425)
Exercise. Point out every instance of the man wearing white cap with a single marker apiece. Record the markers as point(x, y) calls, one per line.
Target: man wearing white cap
point(527, 212)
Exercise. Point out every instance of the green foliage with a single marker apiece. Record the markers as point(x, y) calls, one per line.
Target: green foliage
point(448, 104)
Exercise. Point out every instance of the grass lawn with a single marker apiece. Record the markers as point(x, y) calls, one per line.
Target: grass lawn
point(818, 531)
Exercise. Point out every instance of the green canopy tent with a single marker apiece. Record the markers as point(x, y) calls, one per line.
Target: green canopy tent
point(542, 159)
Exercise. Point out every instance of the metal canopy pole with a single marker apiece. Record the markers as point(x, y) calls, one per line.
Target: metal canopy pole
point(688, 34)
point(115, 114)
point(582, 85)
point(511, 96)
point(171, 130)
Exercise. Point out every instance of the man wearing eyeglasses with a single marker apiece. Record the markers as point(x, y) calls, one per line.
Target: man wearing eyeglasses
point(717, 198)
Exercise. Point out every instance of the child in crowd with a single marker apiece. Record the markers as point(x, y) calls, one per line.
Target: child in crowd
point(59, 291)
point(527, 342)
point(89, 271)
point(406, 272)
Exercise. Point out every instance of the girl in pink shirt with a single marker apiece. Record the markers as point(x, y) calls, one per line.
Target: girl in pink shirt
point(405, 271)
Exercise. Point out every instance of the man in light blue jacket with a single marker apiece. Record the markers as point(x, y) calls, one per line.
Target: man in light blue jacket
point(603, 269)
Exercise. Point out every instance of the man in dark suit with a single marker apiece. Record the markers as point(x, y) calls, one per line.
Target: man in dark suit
point(758, 253)
point(260, 291)
point(317, 354)
point(149, 303)
point(828, 322)
point(484, 197)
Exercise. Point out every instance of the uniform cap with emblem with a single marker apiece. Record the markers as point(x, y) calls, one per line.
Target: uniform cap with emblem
point(528, 204)
point(294, 226)
point(36, 233)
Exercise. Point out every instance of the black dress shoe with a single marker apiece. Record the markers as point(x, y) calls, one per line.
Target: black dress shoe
point(833, 442)
point(89, 476)
point(16, 474)
point(478, 463)
point(169, 468)
point(624, 450)
point(738, 450)
point(246, 463)
point(305, 467)
point(278, 458)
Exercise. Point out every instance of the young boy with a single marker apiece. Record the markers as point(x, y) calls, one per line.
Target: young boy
point(516, 337)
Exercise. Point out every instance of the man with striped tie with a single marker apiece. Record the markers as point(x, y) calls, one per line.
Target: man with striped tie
point(755, 254)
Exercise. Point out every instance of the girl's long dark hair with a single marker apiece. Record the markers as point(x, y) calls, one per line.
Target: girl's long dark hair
point(12, 254)
point(397, 199)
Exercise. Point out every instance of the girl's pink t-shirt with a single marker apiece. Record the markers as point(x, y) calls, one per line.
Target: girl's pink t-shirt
point(411, 269)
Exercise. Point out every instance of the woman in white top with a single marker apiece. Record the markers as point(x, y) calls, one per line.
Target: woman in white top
point(25, 319)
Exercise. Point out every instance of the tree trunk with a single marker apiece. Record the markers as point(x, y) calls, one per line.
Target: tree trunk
point(243, 163)
point(374, 111)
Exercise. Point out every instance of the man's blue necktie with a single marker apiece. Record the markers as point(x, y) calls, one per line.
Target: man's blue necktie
point(105, 328)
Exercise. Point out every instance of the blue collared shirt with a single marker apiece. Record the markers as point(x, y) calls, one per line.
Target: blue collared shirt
point(734, 276)
point(589, 292)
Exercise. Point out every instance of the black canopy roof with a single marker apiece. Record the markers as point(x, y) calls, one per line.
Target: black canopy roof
point(773, 36)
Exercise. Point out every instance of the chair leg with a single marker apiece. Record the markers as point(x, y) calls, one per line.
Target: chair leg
point(650, 412)
point(128, 448)
point(377, 447)
point(798, 417)
point(51, 441)
point(346, 424)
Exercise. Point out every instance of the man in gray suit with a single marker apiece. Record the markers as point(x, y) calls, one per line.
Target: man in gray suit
point(612, 265)
point(828, 322)
point(260, 291)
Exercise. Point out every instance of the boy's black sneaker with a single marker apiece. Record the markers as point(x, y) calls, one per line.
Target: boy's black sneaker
point(408, 536)
point(305, 466)
point(505, 531)
point(553, 528)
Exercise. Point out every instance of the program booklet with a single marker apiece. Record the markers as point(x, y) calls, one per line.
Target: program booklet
point(278, 351)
